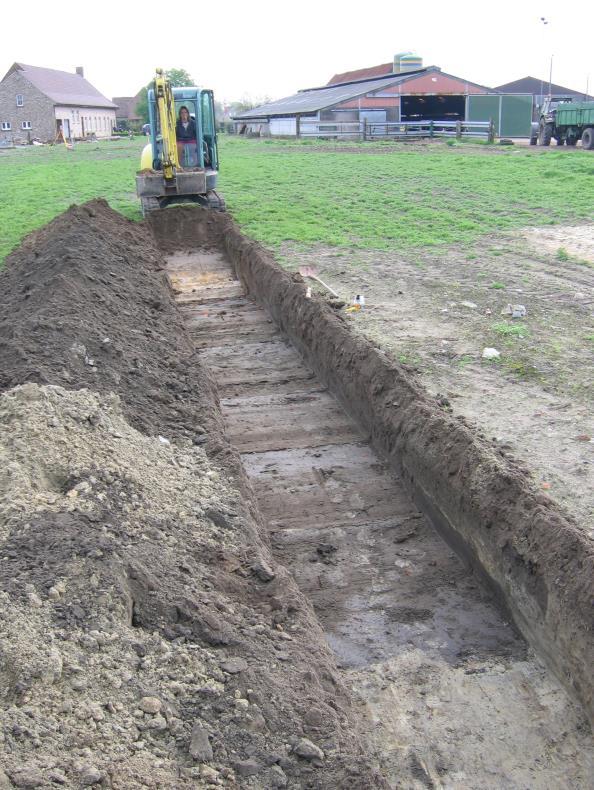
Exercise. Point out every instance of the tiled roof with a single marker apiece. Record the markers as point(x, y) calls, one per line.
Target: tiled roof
point(62, 87)
point(127, 106)
point(362, 74)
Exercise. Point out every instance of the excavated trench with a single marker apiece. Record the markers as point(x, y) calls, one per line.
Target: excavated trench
point(451, 693)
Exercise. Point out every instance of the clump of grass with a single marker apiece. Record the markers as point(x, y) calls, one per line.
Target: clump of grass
point(510, 330)
point(562, 254)
point(521, 369)
point(497, 286)
point(464, 360)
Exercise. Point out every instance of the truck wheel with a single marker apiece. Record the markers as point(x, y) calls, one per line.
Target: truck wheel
point(571, 140)
point(545, 134)
point(588, 138)
point(533, 140)
point(560, 141)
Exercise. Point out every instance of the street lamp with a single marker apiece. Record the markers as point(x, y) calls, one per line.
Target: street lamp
point(545, 22)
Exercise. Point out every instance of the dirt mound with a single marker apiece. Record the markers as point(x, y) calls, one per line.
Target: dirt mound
point(86, 304)
point(148, 638)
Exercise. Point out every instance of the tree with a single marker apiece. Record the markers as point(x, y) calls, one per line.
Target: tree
point(248, 103)
point(142, 105)
point(178, 78)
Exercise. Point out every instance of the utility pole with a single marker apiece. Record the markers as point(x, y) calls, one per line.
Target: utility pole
point(545, 22)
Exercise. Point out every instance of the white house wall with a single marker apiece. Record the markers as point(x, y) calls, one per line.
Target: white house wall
point(99, 122)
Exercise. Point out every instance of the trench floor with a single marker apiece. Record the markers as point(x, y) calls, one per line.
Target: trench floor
point(450, 694)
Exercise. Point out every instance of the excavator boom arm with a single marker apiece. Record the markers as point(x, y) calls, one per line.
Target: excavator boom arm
point(167, 120)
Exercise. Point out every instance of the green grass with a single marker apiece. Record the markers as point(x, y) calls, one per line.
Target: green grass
point(38, 183)
point(370, 196)
point(510, 330)
point(565, 257)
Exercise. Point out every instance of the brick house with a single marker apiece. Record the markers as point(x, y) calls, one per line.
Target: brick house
point(36, 103)
point(126, 115)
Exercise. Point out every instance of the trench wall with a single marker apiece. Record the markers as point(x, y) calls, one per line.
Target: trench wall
point(484, 503)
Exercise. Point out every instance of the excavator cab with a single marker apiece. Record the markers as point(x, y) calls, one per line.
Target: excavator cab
point(180, 164)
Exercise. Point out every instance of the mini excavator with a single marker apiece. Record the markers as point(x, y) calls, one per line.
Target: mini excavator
point(176, 170)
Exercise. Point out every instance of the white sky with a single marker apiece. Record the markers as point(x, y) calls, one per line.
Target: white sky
point(258, 48)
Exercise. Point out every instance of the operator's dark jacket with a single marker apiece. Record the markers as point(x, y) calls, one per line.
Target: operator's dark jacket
point(189, 133)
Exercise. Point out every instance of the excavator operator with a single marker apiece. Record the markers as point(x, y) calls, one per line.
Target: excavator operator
point(185, 132)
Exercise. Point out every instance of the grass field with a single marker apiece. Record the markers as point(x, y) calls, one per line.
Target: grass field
point(309, 193)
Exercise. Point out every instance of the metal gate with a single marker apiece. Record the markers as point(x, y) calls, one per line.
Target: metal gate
point(511, 113)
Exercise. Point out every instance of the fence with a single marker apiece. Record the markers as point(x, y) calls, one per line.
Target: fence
point(348, 130)
point(371, 130)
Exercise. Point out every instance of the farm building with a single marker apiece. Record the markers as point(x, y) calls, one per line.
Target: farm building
point(126, 115)
point(399, 91)
point(37, 103)
point(539, 89)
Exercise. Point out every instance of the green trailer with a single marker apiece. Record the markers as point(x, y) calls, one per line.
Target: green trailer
point(567, 121)
point(576, 121)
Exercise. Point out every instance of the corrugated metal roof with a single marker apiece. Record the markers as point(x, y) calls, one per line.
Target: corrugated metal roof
point(537, 87)
point(62, 87)
point(315, 99)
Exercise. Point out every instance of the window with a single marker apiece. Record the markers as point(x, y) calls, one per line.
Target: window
point(26, 125)
point(6, 126)
point(19, 100)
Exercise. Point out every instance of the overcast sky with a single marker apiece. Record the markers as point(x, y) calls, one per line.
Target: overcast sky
point(258, 48)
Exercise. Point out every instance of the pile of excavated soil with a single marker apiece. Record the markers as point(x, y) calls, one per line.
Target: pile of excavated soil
point(146, 637)
point(86, 304)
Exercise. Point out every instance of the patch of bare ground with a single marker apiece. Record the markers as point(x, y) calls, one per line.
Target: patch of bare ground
point(437, 312)
point(577, 241)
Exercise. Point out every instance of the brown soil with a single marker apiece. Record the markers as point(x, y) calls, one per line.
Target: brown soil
point(149, 638)
point(483, 500)
point(436, 313)
point(86, 304)
point(438, 669)
point(141, 612)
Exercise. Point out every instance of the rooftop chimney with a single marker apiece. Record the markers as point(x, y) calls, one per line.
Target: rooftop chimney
point(80, 71)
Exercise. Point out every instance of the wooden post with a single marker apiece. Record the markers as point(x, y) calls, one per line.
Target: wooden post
point(365, 129)
point(491, 134)
point(430, 128)
point(458, 130)
point(298, 125)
